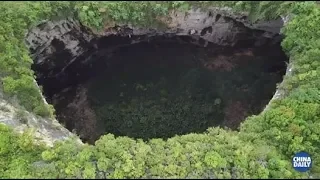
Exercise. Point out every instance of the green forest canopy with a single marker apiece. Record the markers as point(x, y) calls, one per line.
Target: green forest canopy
point(261, 149)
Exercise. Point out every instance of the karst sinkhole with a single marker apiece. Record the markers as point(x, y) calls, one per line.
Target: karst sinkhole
point(164, 87)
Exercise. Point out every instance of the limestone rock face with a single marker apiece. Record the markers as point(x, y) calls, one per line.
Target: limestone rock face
point(60, 47)
point(78, 108)
point(52, 37)
point(216, 25)
point(55, 45)
point(45, 130)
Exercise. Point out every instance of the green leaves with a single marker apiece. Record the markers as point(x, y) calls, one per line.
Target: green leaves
point(139, 13)
point(180, 5)
point(85, 8)
point(16, 153)
point(214, 160)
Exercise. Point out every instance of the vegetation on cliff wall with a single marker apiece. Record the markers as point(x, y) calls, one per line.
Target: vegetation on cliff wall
point(262, 149)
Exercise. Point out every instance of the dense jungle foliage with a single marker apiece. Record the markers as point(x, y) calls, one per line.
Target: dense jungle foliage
point(263, 148)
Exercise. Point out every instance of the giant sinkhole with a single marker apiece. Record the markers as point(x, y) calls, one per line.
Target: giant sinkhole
point(154, 86)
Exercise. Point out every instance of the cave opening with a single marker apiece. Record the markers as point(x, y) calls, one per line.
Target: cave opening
point(161, 87)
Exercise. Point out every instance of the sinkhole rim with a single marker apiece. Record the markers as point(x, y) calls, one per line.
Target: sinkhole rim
point(203, 132)
point(123, 34)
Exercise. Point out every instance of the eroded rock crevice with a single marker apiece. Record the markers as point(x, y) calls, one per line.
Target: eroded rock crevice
point(205, 70)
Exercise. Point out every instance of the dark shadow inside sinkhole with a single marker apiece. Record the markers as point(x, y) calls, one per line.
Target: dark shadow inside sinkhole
point(164, 87)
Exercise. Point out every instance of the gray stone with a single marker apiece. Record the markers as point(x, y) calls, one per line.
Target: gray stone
point(46, 130)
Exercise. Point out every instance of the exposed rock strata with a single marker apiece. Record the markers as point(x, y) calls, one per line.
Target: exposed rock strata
point(45, 130)
point(80, 111)
point(62, 48)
